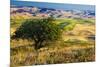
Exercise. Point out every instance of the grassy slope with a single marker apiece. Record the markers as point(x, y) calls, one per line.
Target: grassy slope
point(73, 49)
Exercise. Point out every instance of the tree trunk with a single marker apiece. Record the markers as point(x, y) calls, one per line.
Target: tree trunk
point(36, 57)
point(38, 45)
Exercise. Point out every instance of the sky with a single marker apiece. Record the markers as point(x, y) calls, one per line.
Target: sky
point(65, 6)
point(88, 2)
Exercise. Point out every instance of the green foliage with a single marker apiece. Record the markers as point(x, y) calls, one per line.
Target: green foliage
point(83, 21)
point(39, 30)
point(67, 25)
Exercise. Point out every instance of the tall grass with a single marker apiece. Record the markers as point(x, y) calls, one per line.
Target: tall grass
point(73, 50)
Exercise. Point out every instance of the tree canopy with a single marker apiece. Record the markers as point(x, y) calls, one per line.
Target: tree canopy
point(39, 30)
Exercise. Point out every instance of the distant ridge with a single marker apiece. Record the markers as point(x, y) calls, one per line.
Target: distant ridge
point(53, 5)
